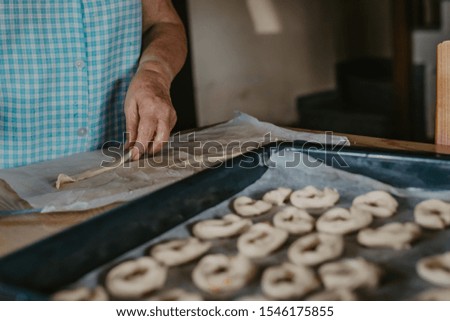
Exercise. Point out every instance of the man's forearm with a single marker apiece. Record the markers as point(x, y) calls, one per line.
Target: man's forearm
point(164, 44)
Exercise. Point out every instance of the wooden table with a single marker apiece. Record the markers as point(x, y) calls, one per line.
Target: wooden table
point(19, 231)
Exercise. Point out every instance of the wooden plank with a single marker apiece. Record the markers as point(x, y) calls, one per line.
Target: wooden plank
point(443, 94)
point(18, 231)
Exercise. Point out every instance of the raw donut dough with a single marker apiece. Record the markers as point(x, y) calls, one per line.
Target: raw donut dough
point(342, 221)
point(397, 236)
point(315, 248)
point(230, 225)
point(288, 281)
point(435, 269)
point(333, 295)
point(433, 214)
point(377, 203)
point(294, 220)
point(133, 279)
point(81, 294)
point(245, 206)
point(260, 240)
point(277, 196)
point(221, 274)
point(176, 295)
point(313, 200)
point(252, 298)
point(350, 274)
point(177, 252)
point(435, 295)
point(65, 179)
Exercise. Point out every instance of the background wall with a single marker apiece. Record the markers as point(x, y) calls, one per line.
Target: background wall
point(237, 69)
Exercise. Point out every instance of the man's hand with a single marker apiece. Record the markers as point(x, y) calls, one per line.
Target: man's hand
point(149, 113)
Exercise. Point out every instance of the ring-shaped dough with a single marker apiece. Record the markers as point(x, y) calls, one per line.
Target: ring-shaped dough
point(397, 236)
point(176, 295)
point(432, 214)
point(81, 294)
point(350, 274)
point(313, 200)
point(221, 274)
point(434, 295)
point(315, 248)
point(177, 252)
point(294, 220)
point(260, 240)
point(435, 269)
point(247, 207)
point(288, 281)
point(342, 221)
point(277, 196)
point(255, 297)
point(133, 279)
point(377, 203)
point(333, 295)
point(230, 225)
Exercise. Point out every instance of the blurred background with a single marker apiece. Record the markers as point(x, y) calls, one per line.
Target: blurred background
point(352, 66)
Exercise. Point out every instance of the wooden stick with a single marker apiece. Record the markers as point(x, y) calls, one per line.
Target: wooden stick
point(443, 95)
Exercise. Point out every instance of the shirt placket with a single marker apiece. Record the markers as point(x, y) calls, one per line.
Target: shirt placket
point(82, 72)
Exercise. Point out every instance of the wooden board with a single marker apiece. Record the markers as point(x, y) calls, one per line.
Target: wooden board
point(443, 94)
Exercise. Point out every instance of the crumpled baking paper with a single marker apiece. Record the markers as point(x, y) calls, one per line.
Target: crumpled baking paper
point(185, 155)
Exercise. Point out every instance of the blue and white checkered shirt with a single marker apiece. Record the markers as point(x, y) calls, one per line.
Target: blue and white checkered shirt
point(65, 67)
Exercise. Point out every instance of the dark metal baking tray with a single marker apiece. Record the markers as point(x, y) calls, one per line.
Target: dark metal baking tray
point(38, 270)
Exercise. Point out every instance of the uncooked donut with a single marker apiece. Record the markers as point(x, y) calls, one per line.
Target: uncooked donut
point(221, 274)
point(294, 220)
point(342, 221)
point(288, 281)
point(277, 196)
point(230, 225)
point(435, 269)
point(397, 236)
point(313, 200)
point(315, 248)
point(434, 295)
point(260, 240)
point(176, 295)
point(246, 206)
point(333, 295)
point(81, 294)
point(377, 203)
point(133, 279)
point(177, 252)
point(350, 274)
point(255, 297)
point(433, 214)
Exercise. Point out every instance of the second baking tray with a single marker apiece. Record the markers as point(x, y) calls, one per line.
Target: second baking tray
point(41, 269)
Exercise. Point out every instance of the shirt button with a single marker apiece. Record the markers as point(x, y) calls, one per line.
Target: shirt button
point(80, 64)
point(82, 131)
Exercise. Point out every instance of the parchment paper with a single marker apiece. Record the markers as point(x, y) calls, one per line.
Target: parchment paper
point(35, 184)
point(400, 281)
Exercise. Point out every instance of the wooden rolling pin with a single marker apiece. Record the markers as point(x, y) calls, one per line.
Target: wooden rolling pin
point(442, 133)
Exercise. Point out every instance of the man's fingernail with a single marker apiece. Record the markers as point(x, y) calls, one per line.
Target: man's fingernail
point(135, 153)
